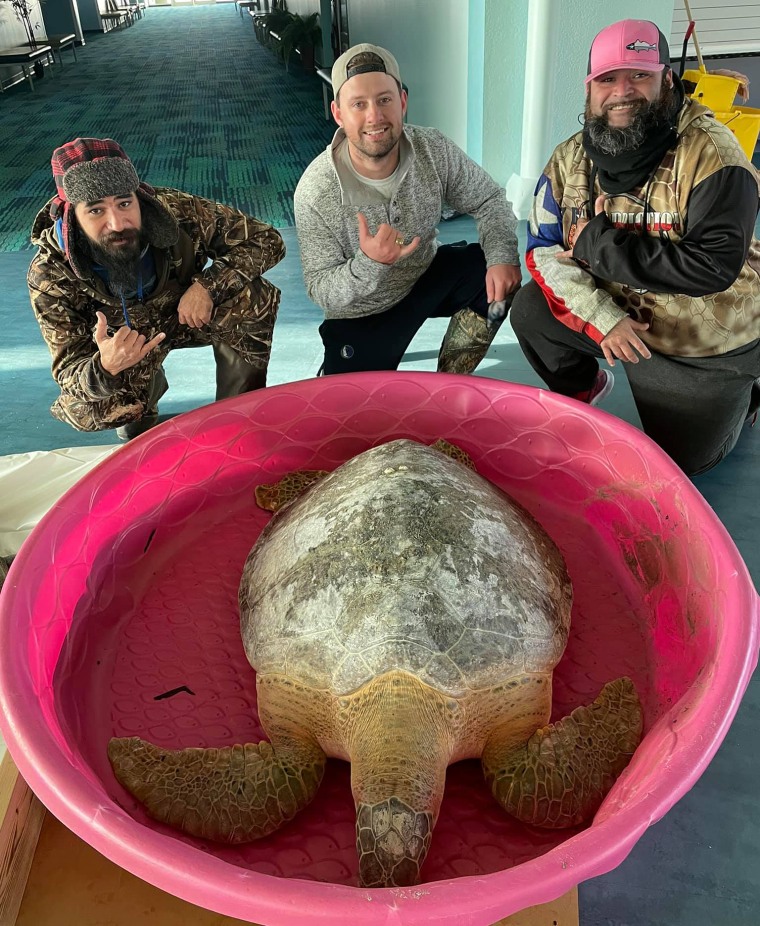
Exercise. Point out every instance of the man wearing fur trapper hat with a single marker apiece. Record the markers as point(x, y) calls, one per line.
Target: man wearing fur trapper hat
point(120, 279)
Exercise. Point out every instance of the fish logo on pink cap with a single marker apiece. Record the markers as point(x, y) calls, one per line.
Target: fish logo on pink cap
point(630, 43)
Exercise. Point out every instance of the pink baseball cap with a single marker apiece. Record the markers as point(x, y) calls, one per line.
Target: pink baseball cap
point(630, 43)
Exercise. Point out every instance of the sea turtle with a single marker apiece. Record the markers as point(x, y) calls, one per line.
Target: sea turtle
point(402, 614)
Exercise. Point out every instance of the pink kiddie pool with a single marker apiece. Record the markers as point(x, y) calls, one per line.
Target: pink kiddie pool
point(119, 617)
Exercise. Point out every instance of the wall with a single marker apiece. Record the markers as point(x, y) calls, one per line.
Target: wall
point(303, 7)
point(577, 23)
point(62, 17)
point(89, 16)
point(506, 26)
point(429, 39)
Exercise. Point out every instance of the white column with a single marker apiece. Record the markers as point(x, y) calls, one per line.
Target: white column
point(535, 151)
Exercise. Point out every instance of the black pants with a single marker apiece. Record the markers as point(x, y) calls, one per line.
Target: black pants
point(693, 407)
point(455, 280)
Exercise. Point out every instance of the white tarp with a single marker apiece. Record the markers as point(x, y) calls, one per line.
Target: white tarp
point(30, 483)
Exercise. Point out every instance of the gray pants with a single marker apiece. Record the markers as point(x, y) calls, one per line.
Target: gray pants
point(693, 407)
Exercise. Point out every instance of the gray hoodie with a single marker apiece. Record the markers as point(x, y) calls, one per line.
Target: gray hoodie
point(432, 171)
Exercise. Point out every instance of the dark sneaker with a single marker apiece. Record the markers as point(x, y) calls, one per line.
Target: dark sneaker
point(135, 428)
point(600, 390)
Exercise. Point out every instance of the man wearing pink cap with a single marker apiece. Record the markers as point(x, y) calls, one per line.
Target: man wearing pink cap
point(641, 247)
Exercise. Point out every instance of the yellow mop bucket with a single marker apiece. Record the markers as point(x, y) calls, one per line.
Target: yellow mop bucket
point(717, 92)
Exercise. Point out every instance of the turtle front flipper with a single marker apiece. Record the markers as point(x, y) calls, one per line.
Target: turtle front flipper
point(562, 774)
point(455, 453)
point(271, 496)
point(232, 795)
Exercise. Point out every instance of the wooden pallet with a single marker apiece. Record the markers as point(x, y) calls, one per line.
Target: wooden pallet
point(51, 877)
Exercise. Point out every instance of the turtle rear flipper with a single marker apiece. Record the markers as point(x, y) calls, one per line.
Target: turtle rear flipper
point(272, 496)
point(562, 774)
point(232, 795)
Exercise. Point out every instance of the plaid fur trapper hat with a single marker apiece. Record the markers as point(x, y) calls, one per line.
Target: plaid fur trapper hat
point(89, 169)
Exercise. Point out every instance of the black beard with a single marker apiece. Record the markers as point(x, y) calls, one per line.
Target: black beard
point(122, 262)
point(646, 118)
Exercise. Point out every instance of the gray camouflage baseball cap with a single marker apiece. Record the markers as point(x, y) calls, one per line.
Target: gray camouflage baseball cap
point(343, 71)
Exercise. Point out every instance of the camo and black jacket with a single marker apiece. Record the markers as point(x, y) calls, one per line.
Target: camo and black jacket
point(245, 306)
point(678, 253)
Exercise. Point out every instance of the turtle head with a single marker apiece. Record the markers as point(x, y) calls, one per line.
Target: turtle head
point(392, 840)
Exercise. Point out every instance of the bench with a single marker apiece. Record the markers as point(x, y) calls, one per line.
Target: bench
point(261, 6)
point(57, 42)
point(115, 16)
point(275, 39)
point(132, 9)
point(248, 5)
point(259, 21)
point(26, 57)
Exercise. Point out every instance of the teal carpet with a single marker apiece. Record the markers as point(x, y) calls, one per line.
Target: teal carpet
point(193, 98)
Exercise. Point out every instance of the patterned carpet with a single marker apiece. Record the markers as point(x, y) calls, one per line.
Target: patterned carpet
point(190, 94)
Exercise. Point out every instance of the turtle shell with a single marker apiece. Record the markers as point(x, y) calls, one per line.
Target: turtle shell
point(403, 558)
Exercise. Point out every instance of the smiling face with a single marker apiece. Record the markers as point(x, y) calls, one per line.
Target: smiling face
point(370, 109)
point(624, 107)
point(621, 95)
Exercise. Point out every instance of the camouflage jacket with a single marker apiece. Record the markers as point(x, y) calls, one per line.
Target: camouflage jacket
point(677, 253)
point(240, 247)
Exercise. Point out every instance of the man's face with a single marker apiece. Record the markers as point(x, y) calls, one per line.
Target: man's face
point(112, 225)
point(371, 112)
point(619, 96)
point(622, 107)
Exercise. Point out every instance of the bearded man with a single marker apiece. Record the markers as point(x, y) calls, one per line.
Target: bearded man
point(125, 273)
point(366, 212)
point(641, 249)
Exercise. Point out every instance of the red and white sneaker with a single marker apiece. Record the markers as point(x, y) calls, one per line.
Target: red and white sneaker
point(600, 390)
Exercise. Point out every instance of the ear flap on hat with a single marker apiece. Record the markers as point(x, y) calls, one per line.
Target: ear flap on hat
point(159, 224)
point(78, 263)
point(56, 208)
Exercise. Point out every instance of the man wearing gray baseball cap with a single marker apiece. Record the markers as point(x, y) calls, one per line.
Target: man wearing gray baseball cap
point(366, 212)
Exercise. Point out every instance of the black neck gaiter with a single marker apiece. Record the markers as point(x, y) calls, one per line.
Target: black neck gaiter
point(621, 173)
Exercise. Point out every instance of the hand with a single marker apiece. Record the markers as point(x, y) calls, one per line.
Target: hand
point(384, 245)
point(501, 280)
point(581, 223)
point(125, 349)
point(195, 306)
point(622, 342)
